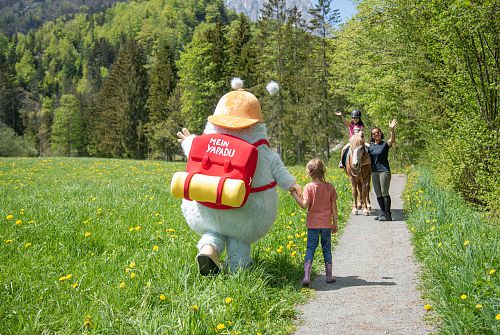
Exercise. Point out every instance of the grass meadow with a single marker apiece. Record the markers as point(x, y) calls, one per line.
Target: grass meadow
point(96, 246)
point(459, 252)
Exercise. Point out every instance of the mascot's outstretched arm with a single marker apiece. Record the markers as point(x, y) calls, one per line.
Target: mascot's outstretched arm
point(186, 139)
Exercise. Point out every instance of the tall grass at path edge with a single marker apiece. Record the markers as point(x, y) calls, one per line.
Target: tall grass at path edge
point(459, 251)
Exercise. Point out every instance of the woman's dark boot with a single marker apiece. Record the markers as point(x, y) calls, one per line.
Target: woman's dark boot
point(328, 270)
point(381, 204)
point(307, 274)
point(387, 215)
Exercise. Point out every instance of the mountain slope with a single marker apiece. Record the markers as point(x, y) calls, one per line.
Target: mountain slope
point(252, 7)
point(21, 16)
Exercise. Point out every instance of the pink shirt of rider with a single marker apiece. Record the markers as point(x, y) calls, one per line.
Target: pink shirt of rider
point(320, 197)
point(354, 128)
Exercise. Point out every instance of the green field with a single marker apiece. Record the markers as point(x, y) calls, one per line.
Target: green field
point(100, 247)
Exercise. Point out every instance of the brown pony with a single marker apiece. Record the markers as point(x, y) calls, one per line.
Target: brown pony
point(359, 171)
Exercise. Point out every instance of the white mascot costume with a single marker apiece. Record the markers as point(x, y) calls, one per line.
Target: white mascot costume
point(237, 114)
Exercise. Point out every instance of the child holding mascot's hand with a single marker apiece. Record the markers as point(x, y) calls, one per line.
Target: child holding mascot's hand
point(319, 197)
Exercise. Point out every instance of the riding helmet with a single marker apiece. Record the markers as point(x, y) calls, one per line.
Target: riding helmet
point(356, 113)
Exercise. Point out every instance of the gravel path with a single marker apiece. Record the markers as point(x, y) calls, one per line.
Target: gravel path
point(376, 288)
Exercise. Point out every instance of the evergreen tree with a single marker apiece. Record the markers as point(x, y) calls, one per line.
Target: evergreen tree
point(321, 25)
point(163, 81)
point(67, 133)
point(121, 103)
point(301, 90)
point(9, 101)
point(202, 74)
point(43, 119)
point(272, 64)
point(241, 51)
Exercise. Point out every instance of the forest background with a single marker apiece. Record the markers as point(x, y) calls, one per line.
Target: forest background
point(121, 82)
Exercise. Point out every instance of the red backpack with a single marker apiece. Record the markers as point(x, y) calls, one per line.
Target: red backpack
point(223, 156)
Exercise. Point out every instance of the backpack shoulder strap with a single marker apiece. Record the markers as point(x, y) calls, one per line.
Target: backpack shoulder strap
point(260, 142)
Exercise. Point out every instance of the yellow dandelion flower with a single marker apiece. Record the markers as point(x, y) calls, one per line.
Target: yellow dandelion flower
point(122, 285)
point(305, 239)
point(220, 327)
point(195, 308)
point(293, 254)
point(87, 322)
point(466, 242)
point(87, 234)
point(74, 285)
point(497, 317)
point(279, 250)
point(228, 300)
point(433, 228)
point(137, 228)
point(66, 277)
point(9, 217)
point(18, 222)
point(155, 248)
point(170, 230)
point(132, 264)
point(162, 297)
point(492, 271)
point(463, 296)
point(479, 306)
point(427, 307)
point(440, 244)
point(132, 275)
point(27, 245)
point(258, 333)
point(131, 229)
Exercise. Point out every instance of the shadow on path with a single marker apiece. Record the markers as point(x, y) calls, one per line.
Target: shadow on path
point(349, 281)
point(398, 215)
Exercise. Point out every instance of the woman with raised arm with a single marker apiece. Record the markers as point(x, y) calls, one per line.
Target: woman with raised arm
point(381, 171)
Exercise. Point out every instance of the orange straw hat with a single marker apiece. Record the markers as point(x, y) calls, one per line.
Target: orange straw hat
point(237, 109)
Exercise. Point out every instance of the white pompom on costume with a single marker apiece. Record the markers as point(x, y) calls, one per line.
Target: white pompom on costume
point(272, 87)
point(236, 229)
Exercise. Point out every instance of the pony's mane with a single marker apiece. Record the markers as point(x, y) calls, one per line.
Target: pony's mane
point(357, 140)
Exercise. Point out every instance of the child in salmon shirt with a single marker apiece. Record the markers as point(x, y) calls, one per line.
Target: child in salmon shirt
point(320, 199)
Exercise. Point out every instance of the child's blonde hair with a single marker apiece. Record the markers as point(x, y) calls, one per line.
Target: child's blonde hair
point(316, 169)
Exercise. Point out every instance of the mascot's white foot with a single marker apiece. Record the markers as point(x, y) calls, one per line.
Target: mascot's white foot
point(208, 260)
point(238, 254)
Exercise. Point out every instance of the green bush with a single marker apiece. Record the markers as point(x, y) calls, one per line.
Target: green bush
point(466, 159)
point(12, 145)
